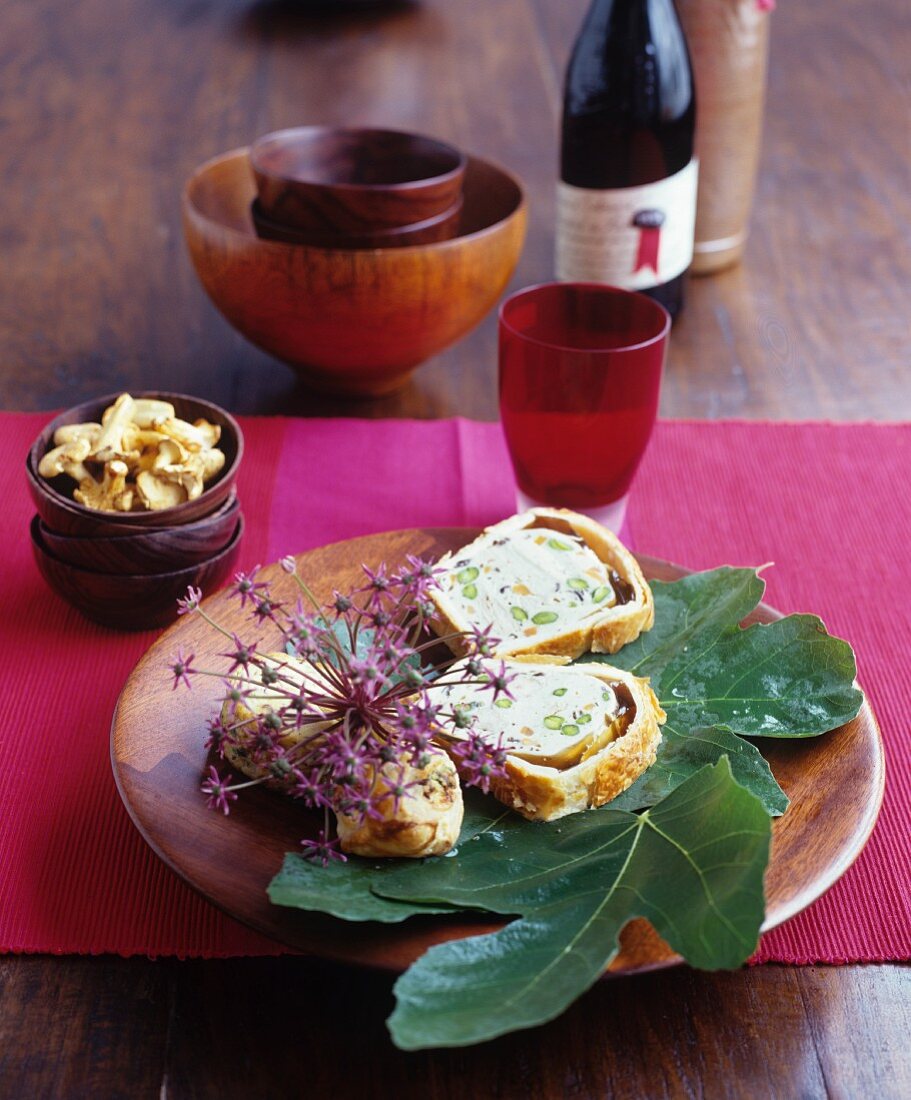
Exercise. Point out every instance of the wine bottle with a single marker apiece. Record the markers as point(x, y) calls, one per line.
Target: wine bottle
point(626, 200)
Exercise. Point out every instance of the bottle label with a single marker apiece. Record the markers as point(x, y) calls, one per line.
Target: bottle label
point(632, 237)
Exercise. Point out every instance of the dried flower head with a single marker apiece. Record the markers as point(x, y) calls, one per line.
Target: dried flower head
point(353, 697)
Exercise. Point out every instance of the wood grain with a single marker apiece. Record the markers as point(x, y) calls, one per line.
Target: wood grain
point(834, 783)
point(106, 109)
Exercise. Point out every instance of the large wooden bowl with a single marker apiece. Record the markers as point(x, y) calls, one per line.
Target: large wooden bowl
point(53, 498)
point(351, 322)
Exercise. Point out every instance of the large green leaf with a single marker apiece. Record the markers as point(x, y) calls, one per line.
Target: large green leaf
point(786, 679)
point(681, 755)
point(352, 890)
point(692, 865)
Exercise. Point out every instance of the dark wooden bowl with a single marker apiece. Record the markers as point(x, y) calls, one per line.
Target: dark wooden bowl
point(441, 228)
point(327, 180)
point(150, 550)
point(127, 601)
point(354, 323)
point(53, 498)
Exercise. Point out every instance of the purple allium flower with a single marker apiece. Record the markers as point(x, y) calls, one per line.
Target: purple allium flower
point(323, 850)
point(219, 735)
point(218, 792)
point(310, 788)
point(182, 667)
point(190, 602)
point(242, 655)
point(480, 761)
point(361, 712)
point(481, 643)
point(246, 586)
point(498, 681)
point(397, 788)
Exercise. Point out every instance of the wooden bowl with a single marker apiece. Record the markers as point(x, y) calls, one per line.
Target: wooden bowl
point(329, 181)
point(441, 228)
point(65, 516)
point(128, 601)
point(149, 550)
point(354, 323)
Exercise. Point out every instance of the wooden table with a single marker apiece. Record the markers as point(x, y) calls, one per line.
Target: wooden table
point(106, 107)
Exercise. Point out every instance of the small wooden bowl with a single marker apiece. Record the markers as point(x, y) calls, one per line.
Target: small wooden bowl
point(355, 323)
point(150, 550)
point(326, 180)
point(129, 601)
point(440, 228)
point(65, 516)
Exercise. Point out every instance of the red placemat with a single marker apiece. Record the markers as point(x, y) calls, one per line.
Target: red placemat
point(827, 503)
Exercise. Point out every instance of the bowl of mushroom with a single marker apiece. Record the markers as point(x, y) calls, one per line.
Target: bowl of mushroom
point(136, 500)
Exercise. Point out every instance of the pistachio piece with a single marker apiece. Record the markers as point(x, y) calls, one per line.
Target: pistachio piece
point(553, 722)
point(544, 617)
point(519, 614)
point(601, 594)
point(569, 730)
point(465, 576)
point(559, 691)
point(470, 591)
point(578, 584)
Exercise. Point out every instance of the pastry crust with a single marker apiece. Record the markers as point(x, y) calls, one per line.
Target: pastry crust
point(425, 823)
point(605, 632)
point(542, 793)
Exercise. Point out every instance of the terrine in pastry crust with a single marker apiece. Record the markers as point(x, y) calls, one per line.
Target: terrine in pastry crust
point(575, 736)
point(546, 581)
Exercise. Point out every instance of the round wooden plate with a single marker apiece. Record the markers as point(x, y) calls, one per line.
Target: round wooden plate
point(835, 784)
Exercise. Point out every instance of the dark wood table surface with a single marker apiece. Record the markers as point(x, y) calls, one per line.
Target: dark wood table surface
point(105, 107)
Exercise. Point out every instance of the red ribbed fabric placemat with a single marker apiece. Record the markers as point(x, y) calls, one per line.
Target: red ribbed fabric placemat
point(827, 503)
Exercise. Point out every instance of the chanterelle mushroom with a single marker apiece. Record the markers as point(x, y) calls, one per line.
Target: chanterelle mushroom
point(109, 444)
point(111, 494)
point(67, 458)
point(157, 492)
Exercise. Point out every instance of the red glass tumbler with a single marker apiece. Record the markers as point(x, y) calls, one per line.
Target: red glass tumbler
point(580, 374)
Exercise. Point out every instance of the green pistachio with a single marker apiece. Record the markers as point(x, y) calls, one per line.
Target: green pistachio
point(555, 544)
point(553, 722)
point(464, 576)
point(600, 594)
point(560, 691)
point(519, 614)
point(470, 591)
point(584, 718)
point(569, 730)
point(503, 703)
point(579, 584)
point(544, 617)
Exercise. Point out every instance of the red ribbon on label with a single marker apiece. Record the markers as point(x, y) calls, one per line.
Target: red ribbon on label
point(649, 241)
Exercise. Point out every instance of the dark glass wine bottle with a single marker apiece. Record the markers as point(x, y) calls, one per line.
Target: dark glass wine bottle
point(626, 203)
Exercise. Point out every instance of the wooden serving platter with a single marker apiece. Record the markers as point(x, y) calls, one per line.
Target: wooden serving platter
point(835, 784)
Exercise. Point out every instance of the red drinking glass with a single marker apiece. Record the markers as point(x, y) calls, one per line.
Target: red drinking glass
point(580, 374)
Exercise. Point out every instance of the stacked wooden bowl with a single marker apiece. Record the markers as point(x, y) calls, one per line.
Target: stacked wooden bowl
point(353, 255)
point(128, 569)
